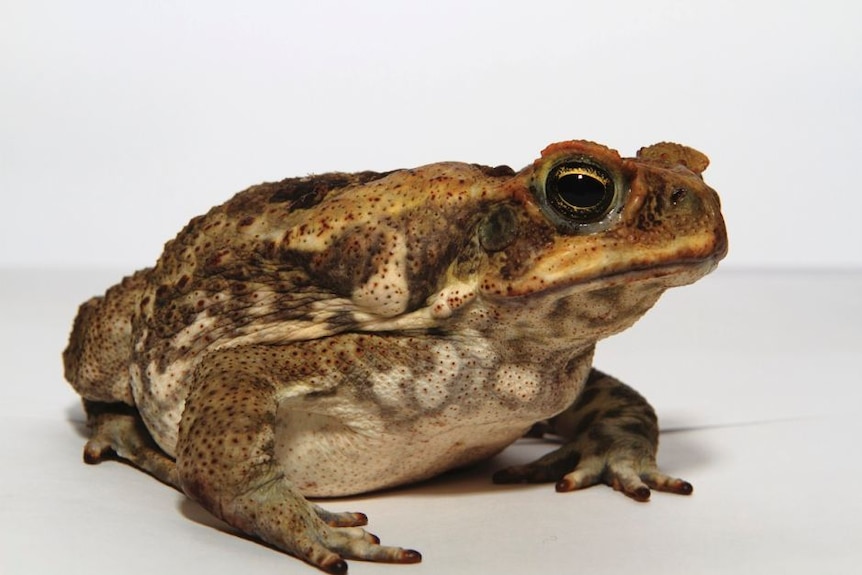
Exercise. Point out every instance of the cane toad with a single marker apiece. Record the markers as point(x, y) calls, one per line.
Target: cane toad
point(347, 332)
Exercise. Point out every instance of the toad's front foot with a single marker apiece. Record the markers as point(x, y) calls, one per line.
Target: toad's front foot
point(328, 543)
point(275, 513)
point(612, 435)
point(340, 538)
point(629, 471)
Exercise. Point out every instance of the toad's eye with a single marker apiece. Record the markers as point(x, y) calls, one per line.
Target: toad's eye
point(580, 192)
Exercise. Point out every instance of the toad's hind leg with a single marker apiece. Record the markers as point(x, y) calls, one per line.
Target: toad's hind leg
point(117, 431)
point(226, 462)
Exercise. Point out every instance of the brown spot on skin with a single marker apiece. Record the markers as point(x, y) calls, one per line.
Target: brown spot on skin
point(161, 291)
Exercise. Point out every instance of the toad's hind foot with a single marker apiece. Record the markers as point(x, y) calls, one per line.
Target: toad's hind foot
point(117, 432)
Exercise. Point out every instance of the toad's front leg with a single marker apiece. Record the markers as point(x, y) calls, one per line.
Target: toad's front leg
point(226, 462)
point(612, 438)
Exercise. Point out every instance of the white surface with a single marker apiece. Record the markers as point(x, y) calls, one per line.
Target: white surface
point(755, 377)
point(122, 120)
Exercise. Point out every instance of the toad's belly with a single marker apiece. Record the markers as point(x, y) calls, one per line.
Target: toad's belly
point(324, 458)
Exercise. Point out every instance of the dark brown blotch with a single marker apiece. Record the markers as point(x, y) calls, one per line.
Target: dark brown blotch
point(305, 193)
point(585, 422)
point(638, 428)
point(626, 393)
point(501, 171)
point(601, 440)
point(532, 239)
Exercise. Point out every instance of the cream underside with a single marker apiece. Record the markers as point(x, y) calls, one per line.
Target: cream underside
point(323, 457)
point(394, 433)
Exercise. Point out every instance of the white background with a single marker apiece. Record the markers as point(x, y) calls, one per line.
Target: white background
point(121, 120)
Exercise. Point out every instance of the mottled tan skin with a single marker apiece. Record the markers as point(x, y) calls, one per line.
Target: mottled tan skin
point(343, 333)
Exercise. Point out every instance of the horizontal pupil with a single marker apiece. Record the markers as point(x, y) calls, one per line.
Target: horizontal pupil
point(581, 190)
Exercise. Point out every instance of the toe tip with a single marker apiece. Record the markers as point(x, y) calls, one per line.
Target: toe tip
point(336, 567)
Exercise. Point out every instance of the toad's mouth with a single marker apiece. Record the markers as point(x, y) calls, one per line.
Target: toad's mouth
point(669, 274)
point(655, 279)
point(686, 268)
point(672, 274)
point(561, 271)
